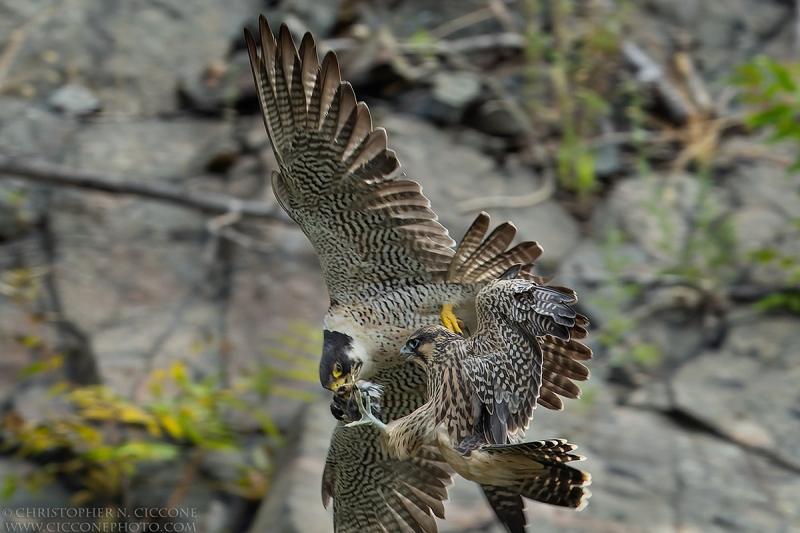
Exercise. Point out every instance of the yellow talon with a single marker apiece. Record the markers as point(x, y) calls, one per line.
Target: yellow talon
point(449, 319)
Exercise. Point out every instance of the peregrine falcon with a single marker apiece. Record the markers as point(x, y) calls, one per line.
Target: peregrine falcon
point(389, 266)
point(482, 391)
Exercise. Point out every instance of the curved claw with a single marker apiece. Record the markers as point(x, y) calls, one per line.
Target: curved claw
point(367, 418)
point(449, 319)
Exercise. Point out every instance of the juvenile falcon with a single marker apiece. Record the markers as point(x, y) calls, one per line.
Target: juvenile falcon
point(482, 391)
point(389, 266)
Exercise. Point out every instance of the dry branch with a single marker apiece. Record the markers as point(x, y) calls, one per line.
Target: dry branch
point(51, 174)
point(465, 45)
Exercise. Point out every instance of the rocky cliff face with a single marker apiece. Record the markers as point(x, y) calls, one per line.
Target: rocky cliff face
point(690, 420)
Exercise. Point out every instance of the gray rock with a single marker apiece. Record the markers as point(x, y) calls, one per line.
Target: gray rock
point(35, 405)
point(221, 85)
point(722, 35)
point(650, 474)
point(766, 186)
point(138, 52)
point(453, 91)
point(653, 211)
point(30, 131)
point(747, 389)
point(153, 484)
point(74, 99)
point(450, 173)
point(757, 227)
point(223, 465)
point(293, 504)
point(50, 496)
point(321, 17)
point(495, 118)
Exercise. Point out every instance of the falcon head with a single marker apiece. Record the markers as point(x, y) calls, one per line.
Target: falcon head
point(343, 359)
point(423, 346)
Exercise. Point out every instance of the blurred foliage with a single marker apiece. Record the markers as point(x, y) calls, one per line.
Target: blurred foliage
point(707, 253)
point(788, 299)
point(619, 332)
point(98, 438)
point(573, 63)
point(773, 89)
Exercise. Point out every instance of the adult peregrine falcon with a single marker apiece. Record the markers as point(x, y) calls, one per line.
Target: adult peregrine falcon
point(389, 266)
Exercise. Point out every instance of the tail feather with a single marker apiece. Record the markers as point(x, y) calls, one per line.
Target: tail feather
point(509, 472)
point(508, 506)
point(543, 474)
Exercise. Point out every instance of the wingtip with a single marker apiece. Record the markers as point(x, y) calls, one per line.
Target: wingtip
point(584, 500)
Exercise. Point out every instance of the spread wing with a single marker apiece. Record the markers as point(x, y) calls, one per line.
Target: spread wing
point(376, 492)
point(507, 354)
point(338, 180)
point(372, 491)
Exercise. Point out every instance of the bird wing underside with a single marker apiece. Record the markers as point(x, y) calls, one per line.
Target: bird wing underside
point(338, 180)
point(373, 491)
point(524, 353)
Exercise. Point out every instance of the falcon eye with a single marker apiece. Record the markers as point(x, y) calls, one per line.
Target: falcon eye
point(413, 344)
point(337, 369)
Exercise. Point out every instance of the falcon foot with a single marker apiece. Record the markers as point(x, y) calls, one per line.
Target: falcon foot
point(449, 319)
point(367, 418)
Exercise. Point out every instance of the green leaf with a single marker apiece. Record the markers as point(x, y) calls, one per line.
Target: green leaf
point(763, 255)
point(780, 300)
point(770, 116)
point(647, 354)
point(783, 76)
point(584, 168)
point(145, 451)
point(748, 75)
point(10, 483)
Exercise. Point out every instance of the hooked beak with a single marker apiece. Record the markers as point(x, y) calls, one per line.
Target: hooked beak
point(408, 354)
point(345, 380)
point(336, 384)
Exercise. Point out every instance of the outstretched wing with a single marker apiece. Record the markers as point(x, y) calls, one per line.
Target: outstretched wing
point(507, 366)
point(338, 180)
point(375, 492)
point(372, 490)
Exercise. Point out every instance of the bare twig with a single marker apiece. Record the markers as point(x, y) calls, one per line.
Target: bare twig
point(538, 196)
point(697, 87)
point(246, 241)
point(459, 23)
point(650, 74)
point(501, 13)
point(189, 473)
point(14, 43)
point(52, 174)
point(464, 46)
